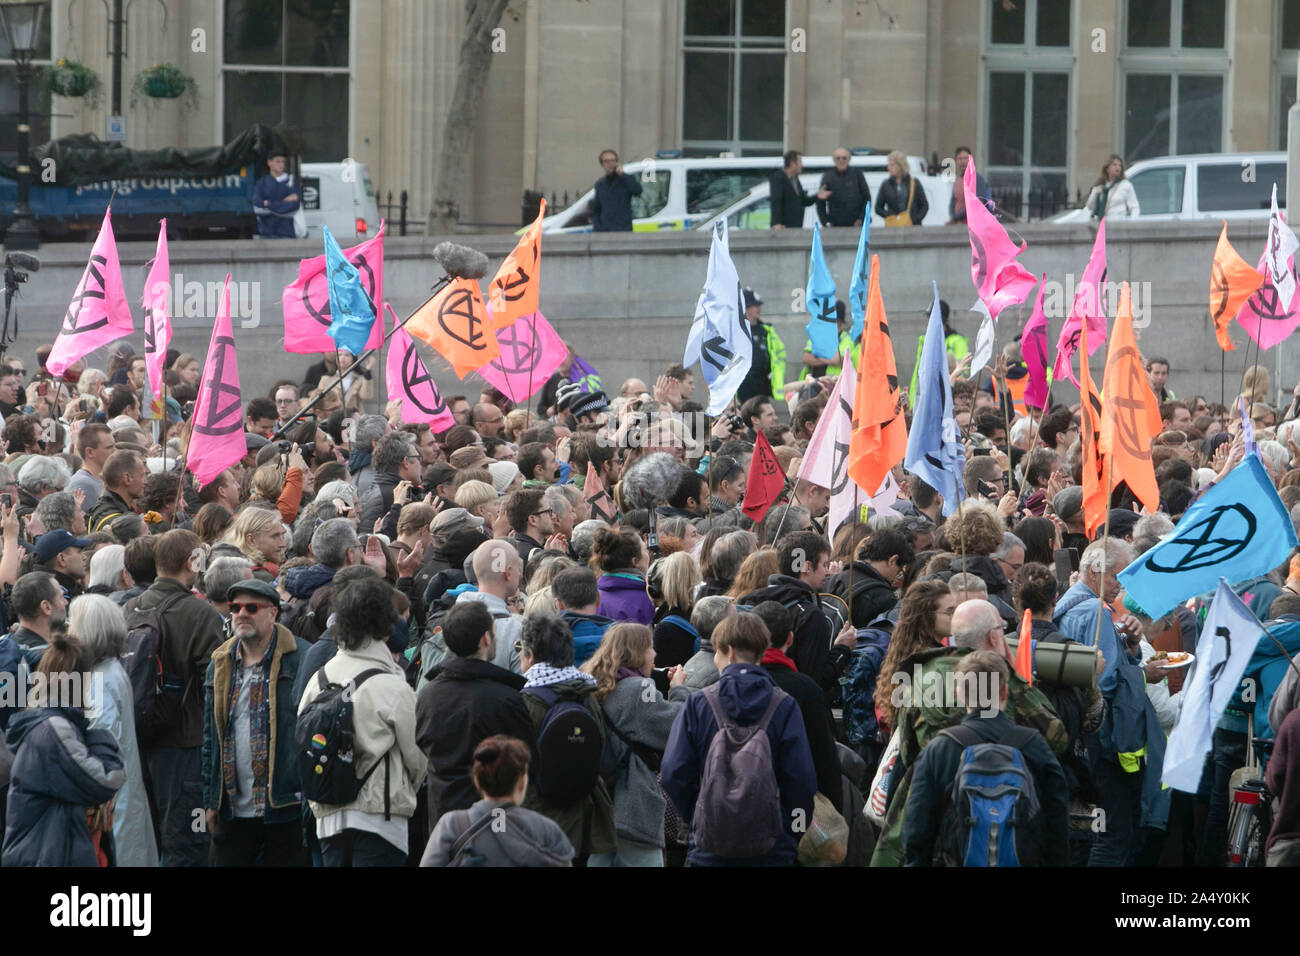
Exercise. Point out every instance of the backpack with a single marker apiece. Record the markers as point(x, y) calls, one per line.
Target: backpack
point(307, 617)
point(679, 621)
point(738, 812)
point(431, 651)
point(993, 817)
point(325, 736)
point(462, 852)
point(158, 695)
point(858, 693)
point(569, 744)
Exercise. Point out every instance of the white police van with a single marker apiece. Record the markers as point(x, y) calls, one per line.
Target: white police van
point(1233, 186)
point(341, 196)
point(683, 193)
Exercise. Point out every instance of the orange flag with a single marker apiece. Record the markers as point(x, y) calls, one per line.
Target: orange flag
point(513, 291)
point(1025, 649)
point(1130, 415)
point(879, 438)
point(1096, 497)
point(1232, 281)
point(455, 324)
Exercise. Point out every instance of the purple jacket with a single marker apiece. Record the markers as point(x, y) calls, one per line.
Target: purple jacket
point(625, 599)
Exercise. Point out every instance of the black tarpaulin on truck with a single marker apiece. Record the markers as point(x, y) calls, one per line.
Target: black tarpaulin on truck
point(84, 158)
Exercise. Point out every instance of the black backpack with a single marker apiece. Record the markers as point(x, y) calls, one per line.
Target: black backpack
point(307, 617)
point(158, 694)
point(569, 744)
point(325, 736)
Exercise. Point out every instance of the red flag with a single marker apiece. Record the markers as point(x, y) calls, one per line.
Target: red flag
point(99, 312)
point(765, 482)
point(1025, 649)
point(306, 300)
point(602, 506)
point(217, 441)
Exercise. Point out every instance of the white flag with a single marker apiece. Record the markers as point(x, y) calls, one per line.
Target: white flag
point(983, 339)
point(1278, 250)
point(826, 460)
point(1227, 642)
point(719, 335)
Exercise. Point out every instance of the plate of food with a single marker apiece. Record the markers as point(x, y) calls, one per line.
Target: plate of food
point(1172, 660)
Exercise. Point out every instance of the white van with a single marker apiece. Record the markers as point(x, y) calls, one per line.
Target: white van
point(753, 210)
point(682, 193)
point(341, 196)
point(1233, 186)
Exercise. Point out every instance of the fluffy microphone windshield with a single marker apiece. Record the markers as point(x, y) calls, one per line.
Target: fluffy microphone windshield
point(460, 261)
point(651, 481)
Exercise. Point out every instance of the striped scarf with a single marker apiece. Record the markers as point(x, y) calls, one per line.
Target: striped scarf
point(259, 730)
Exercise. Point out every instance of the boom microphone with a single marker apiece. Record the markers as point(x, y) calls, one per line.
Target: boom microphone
point(460, 262)
point(651, 481)
point(21, 260)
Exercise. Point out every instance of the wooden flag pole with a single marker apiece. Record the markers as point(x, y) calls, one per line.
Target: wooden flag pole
point(1105, 543)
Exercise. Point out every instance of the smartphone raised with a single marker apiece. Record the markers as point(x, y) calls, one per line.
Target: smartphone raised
point(1066, 561)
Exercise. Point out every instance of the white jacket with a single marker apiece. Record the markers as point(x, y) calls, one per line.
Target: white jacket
point(1121, 202)
point(383, 719)
point(1166, 705)
point(133, 835)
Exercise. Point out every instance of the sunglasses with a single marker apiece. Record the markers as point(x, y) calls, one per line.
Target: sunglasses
point(250, 607)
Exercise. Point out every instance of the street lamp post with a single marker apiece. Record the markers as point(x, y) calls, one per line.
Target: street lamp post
point(21, 21)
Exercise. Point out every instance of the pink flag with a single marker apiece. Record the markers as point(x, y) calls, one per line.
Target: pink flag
point(1263, 316)
point(218, 440)
point(99, 312)
point(1033, 346)
point(410, 383)
point(157, 322)
point(531, 351)
point(602, 506)
point(306, 300)
point(1088, 305)
point(999, 279)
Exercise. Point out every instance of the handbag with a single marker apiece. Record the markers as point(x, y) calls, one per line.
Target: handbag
point(904, 218)
point(878, 796)
point(300, 219)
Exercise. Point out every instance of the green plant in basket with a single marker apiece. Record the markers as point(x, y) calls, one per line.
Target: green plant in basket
point(163, 81)
point(73, 79)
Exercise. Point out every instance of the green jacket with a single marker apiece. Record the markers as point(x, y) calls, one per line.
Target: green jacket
point(844, 343)
point(776, 354)
point(1028, 707)
point(957, 347)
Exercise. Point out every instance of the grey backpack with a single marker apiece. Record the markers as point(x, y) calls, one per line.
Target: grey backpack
point(738, 812)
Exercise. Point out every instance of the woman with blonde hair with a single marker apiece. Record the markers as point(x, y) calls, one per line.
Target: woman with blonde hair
point(1255, 386)
point(640, 719)
point(517, 421)
point(901, 199)
point(480, 499)
point(754, 572)
point(92, 382)
point(1113, 196)
point(259, 535)
point(280, 488)
point(673, 583)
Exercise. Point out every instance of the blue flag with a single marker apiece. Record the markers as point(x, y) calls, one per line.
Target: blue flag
point(1239, 529)
point(861, 275)
point(934, 449)
point(819, 299)
point(351, 310)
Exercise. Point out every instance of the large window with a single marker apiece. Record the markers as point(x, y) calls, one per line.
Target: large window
point(733, 77)
point(38, 97)
point(1027, 111)
point(286, 61)
point(1284, 63)
point(1175, 67)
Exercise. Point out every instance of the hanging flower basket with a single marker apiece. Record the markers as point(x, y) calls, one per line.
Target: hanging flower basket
point(70, 78)
point(165, 82)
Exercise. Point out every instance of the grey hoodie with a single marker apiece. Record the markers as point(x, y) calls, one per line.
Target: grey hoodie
point(505, 626)
point(639, 713)
point(518, 837)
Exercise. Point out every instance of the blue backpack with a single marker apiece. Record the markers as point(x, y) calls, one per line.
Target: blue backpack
point(858, 691)
point(993, 817)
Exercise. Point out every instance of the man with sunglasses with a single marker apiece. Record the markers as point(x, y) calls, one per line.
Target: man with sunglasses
point(250, 765)
point(848, 198)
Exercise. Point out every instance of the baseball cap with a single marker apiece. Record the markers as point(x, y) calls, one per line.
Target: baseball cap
point(254, 586)
point(1122, 521)
point(51, 544)
point(449, 519)
point(254, 442)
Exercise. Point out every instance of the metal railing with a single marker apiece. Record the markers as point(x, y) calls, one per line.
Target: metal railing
point(397, 213)
point(1039, 203)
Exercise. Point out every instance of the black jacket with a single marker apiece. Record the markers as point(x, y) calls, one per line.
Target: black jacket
point(525, 546)
point(850, 199)
point(378, 499)
point(467, 701)
point(892, 199)
point(109, 506)
point(817, 724)
point(932, 782)
point(987, 569)
point(788, 200)
point(872, 594)
point(811, 651)
point(611, 207)
point(673, 645)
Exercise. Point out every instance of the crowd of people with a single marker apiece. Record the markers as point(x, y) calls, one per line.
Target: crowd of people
point(557, 638)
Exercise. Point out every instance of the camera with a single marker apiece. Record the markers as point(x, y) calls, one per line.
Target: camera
point(308, 450)
point(736, 424)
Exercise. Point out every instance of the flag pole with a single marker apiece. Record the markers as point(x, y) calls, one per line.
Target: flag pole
point(1223, 375)
point(360, 360)
point(1024, 472)
point(1105, 541)
point(708, 437)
